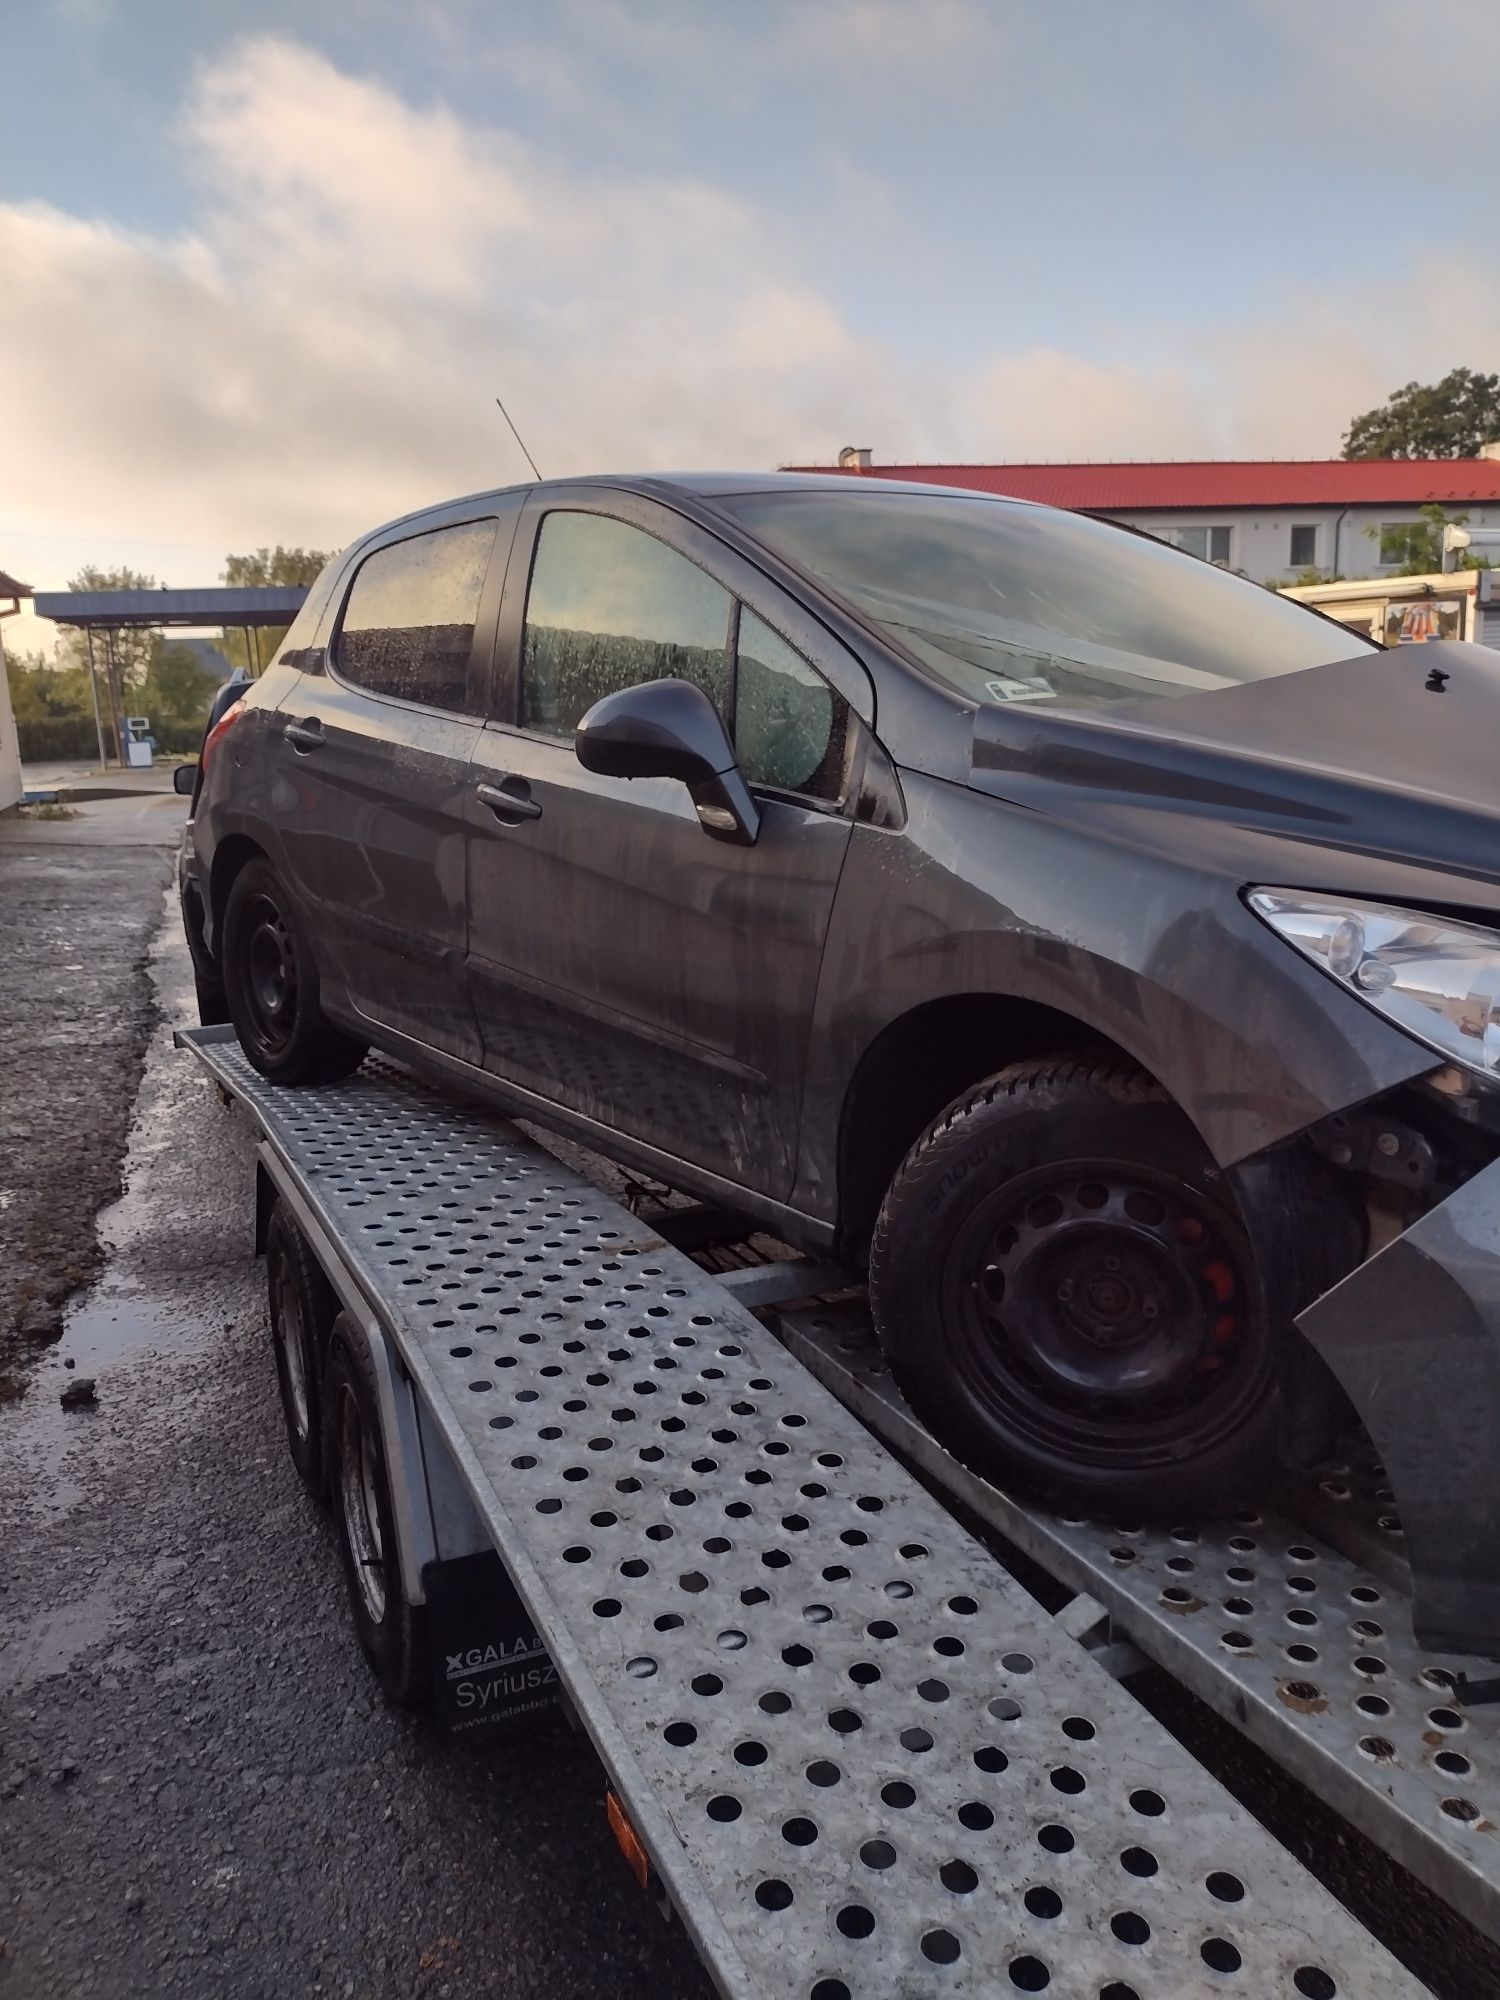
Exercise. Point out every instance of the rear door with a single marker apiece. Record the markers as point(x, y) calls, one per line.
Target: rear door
point(626, 964)
point(373, 767)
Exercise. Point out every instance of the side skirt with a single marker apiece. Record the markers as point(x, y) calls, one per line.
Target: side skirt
point(791, 1225)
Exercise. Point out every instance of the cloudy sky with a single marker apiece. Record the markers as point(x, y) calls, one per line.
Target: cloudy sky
point(265, 263)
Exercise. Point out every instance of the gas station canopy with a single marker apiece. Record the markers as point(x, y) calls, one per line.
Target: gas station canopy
point(111, 609)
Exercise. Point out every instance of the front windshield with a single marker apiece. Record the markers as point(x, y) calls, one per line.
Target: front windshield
point(1008, 602)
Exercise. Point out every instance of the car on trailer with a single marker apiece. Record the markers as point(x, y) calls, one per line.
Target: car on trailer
point(1098, 949)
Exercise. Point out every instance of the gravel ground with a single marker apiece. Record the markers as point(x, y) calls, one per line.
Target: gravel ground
point(200, 1791)
point(75, 1010)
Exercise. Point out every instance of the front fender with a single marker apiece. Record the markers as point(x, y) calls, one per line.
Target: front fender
point(1154, 950)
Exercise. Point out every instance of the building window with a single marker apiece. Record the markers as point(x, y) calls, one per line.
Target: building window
point(1304, 545)
point(1209, 544)
point(1395, 543)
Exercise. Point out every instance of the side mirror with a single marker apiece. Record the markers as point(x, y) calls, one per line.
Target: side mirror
point(185, 779)
point(670, 729)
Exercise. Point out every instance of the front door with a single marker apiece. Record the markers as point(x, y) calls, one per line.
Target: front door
point(374, 760)
point(625, 964)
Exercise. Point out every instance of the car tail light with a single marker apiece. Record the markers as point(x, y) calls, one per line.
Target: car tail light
point(217, 734)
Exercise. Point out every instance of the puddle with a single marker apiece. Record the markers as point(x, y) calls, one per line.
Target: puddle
point(137, 1312)
point(53, 1642)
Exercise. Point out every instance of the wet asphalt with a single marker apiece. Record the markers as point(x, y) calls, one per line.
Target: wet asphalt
point(201, 1792)
point(79, 899)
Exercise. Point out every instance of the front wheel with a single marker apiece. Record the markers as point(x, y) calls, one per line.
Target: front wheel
point(271, 982)
point(1068, 1297)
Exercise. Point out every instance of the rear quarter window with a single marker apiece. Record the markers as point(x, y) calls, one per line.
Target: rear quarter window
point(408, 624)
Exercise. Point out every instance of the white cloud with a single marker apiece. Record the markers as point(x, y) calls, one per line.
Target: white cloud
point(322, 347)
point(927, 34)
point(1396, 72)
point(85, 13)
point(364, 277)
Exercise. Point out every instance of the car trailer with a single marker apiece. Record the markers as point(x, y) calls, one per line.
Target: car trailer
point(842, 1744)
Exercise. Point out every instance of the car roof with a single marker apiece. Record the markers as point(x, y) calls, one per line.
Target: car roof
point(723, 485)
point(708, 486)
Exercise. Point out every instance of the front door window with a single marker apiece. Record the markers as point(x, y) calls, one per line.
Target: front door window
point(609, 608)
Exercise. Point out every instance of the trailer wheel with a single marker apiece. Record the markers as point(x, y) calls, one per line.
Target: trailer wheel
point(303, 1308)
point(392, 1633)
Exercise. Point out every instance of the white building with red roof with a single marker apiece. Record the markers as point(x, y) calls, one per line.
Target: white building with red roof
point(1271, 519)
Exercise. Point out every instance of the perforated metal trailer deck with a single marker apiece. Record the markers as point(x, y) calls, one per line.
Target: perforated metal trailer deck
point(860, 1757)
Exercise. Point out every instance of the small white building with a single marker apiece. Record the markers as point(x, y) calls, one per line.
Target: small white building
point(1270, 519)
point(10, 749)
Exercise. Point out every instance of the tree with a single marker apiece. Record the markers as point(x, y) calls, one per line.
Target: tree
point(286, 567)
point(293, 568)
point(1447, 419)
point(122, 651)
point(52, 707)
point(178, 687)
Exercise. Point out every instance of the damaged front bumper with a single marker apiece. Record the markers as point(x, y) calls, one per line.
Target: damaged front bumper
point(1413, 1336)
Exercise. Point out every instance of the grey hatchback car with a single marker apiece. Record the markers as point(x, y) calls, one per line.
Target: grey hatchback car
point(1099, 949)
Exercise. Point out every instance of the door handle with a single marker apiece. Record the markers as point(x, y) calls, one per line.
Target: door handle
point(304, 736)
point(510, 800)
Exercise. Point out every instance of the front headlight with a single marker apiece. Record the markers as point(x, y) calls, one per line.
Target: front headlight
point(1437, 979)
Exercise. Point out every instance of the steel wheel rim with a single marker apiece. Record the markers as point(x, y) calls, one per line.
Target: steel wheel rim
point(359, 1504)
point(1155, 1349)
point(269, 980)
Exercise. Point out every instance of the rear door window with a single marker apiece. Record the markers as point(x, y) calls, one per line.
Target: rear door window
point(611, 607)
point(408, 624)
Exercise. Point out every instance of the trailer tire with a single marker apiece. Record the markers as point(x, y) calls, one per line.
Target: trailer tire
point(303, 1307)
point(392, 1633)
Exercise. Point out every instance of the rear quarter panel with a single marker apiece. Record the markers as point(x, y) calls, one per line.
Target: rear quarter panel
point(245, 788)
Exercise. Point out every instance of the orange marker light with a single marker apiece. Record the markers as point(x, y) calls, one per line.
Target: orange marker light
point(629, 1840)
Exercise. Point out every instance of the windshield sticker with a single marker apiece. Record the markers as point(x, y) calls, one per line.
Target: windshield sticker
point(1009, 687)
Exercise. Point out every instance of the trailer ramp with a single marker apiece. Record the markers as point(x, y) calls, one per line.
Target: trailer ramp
point(1294, 1624)
point(862, 1759)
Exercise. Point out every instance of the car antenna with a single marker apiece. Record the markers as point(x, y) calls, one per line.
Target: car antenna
point(517, 436)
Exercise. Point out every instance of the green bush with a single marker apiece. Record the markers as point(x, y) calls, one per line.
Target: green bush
point(47, 738)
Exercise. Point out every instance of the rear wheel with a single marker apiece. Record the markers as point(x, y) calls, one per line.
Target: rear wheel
point(1068, 1296)
point(271, 981)
point(392, 1633)
point(208, 981)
